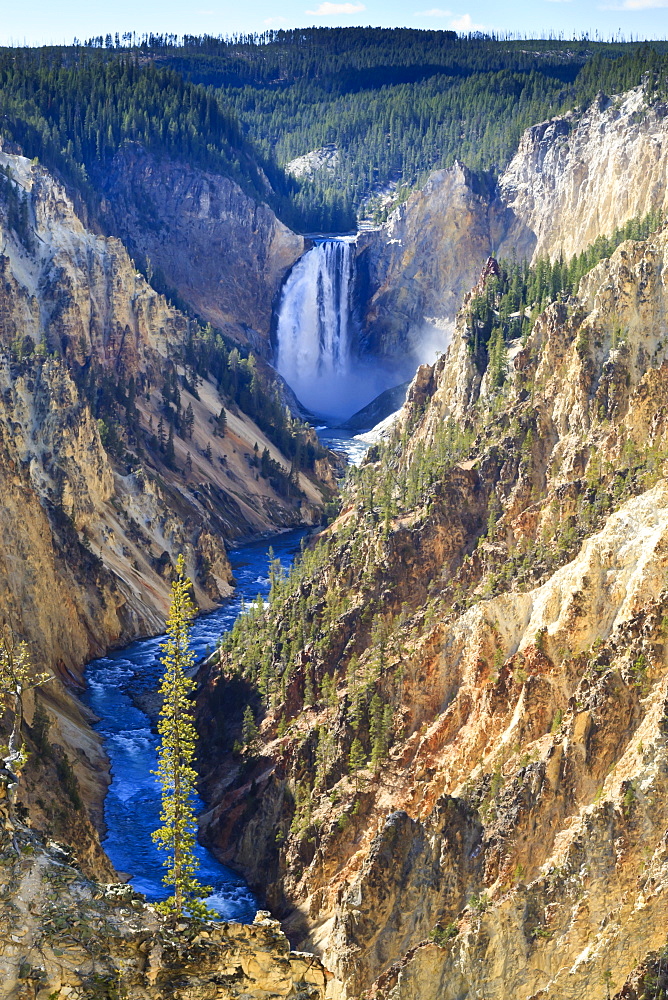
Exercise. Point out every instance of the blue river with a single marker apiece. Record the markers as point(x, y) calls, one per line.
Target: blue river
point(132, 805)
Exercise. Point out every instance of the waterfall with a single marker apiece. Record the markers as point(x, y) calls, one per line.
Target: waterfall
point(314, 329)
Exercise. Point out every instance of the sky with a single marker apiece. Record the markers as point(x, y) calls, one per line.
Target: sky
point(57, 21)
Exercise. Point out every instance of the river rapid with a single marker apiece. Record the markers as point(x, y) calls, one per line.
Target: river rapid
point(132, 805)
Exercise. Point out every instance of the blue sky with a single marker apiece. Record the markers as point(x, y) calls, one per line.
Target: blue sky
point(39, 21)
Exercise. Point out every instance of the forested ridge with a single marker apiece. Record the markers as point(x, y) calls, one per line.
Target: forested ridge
point(396, 103)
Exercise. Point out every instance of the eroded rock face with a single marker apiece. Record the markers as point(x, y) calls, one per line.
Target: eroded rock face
point(224, 254)
point(90, 541)
point(576, 178)
point(418, 267)
point(518, 820)
point(77, 294)
point(572, 179)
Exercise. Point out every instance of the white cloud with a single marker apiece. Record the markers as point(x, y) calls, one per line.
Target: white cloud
point(434, 12)
point(635, 5)
point(327, 9)
point(279, 19)
point(464, 23)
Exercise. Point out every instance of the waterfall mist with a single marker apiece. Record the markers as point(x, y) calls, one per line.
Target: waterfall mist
point(315, 334)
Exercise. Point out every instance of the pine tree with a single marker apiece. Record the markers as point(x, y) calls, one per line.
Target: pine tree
point(170, 457)
point(189, 420)
point(221, 423)
point(176, 754)
point(249, 732)
point(356, 760)
point(16, 677)
point(380, 724)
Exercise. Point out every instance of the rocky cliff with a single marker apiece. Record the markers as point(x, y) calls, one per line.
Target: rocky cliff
point(573, 178)
point(581, 176)
point(71, 300)
point(460, 778)
point(416, 270)
point(223, 253)
point(63, 937)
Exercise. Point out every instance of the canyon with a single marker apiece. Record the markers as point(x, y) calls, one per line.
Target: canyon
point(511, 619)
point(90, 538)
point(485, 616)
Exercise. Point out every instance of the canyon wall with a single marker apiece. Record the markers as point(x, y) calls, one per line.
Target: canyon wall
point(573, 178)
point(583, 175)
point(496, 584)
point(73, 299)
point(224, 254)
point(92, 529)
point(416, 270)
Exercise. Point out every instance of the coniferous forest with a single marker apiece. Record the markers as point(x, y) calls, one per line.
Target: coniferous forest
point(396, 104)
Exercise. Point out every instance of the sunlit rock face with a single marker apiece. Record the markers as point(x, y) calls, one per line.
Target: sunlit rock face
point(572, 179)
point(417, 268)
point(520, 814)
point(63, 936)
point(579, 177)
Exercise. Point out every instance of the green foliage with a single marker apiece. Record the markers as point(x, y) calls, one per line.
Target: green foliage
point(400, 103)
point(249, 732)
point(68, 780)
point(176, 755)
point(39, 731)
point(441, 935)
point(17, 675)
point(479, 902)
point(301, 820)
point(629, 798)
point(75, 108)
point(654, 983)
point(397, 103)
point(112, 395)
point(17, 207)
point(356, 760)
point(380, 727)
point(515, 293)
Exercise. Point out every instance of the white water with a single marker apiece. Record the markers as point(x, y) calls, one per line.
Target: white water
point(133, 802)
point(314, 327)
point(315, 334)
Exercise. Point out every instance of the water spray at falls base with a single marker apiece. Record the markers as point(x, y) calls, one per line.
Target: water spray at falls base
point(315, 334)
